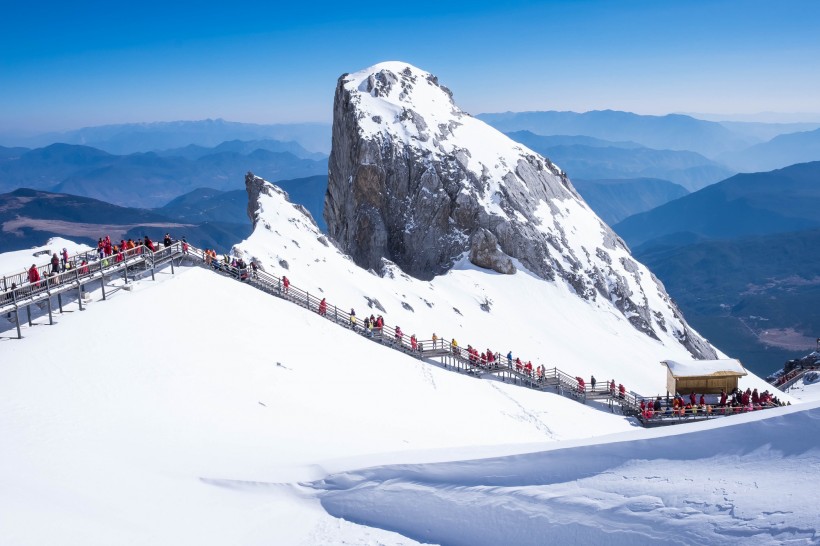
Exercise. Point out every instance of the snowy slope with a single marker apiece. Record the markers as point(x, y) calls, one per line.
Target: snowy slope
point(538, 320)
point(197, 410)
point(732, 481)
point(120, 423)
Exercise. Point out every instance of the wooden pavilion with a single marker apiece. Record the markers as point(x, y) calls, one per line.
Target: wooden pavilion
point(703, 376)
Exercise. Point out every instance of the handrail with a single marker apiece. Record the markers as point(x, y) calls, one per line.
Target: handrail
point(75, 260)
point(790, 378)
point(76, 277)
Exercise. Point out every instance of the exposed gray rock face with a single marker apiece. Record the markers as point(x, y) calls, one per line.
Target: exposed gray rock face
point(484, 252)
point(415, 180)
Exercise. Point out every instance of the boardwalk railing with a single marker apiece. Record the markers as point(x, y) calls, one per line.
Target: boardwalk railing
point(127, 264)
point(450, 355)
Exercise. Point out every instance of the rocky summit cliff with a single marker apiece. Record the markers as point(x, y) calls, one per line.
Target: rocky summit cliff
point(415, 180)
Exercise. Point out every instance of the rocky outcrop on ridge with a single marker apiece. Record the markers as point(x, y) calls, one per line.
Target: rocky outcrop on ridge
point(255, 187)
point(416, 181)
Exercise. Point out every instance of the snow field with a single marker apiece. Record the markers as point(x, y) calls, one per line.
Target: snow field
point(144, 418)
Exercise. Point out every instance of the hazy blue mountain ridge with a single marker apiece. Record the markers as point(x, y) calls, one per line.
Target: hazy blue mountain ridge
point(763, 131)
point(29, 217)
point(145, 137)
point(616, 199)
point(781, 151)
point(144, 179)
point(588, 158)
point(756, 298)
point(669, 132)
point(244, 147)
point(743, 205)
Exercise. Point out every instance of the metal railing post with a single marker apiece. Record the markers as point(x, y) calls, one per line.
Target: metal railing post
point(125, 268)
point(79, 291)
point(102, 279)
point(16, 314)
point(50, 318)
point(60, 302)
point(153, 278)
point(48, 297)
point(28, 312)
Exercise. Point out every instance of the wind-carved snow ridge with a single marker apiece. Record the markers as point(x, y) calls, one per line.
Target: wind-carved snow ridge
point(415, 180)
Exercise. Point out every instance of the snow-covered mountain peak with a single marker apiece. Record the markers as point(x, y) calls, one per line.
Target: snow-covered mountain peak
point(400, 101)
point(415, 180)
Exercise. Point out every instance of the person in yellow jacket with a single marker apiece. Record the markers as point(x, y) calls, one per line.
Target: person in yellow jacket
point(454, 346)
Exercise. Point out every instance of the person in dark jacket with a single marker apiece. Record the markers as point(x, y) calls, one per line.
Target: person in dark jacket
point(55, 263)
point(167, 240)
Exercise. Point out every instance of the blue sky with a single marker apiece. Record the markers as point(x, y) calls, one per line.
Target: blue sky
point(70, 65)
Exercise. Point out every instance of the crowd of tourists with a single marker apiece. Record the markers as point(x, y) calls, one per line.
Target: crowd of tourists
point(106, 253)
point(737, 401)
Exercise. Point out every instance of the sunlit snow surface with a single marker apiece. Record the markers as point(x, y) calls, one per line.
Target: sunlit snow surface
point(197, 410)
point(537, 320)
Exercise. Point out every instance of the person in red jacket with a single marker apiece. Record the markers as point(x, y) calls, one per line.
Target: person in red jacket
point(323, 307)
point(149, 243)
point(34, 275)
point(285, 284)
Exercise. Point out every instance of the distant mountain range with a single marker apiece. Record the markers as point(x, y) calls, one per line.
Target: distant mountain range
point(243, 147)
point(29, 217)
point(756, 298)
point(743, 205)
point(130, 138)
point(591, 158)
point(614, 200)
point(146, 179)
point(670, 132)
point(780, 151)
point(763, 131)
point(740, 258)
